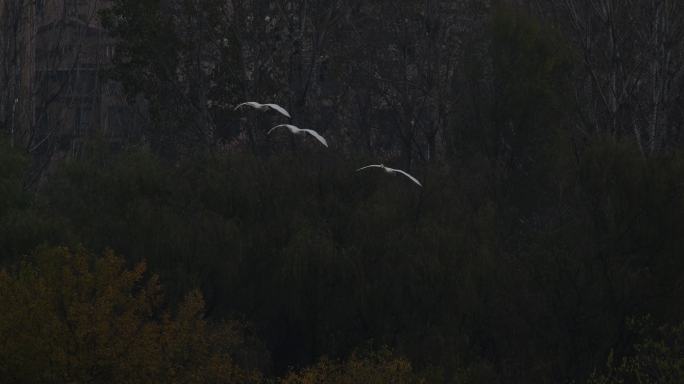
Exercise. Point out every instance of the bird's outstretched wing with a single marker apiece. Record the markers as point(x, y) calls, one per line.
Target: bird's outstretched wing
point(369, 166)
point(252, 104)
point(409, 176)
point(279, 109)
point(291, 127)
point(316, 135)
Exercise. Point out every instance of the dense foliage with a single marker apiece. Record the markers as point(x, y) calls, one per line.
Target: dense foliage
point(533, 253)
point(657, 356)
point(473, 276)
point(70, 317)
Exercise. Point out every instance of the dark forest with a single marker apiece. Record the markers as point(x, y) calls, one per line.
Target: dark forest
point(529, 228)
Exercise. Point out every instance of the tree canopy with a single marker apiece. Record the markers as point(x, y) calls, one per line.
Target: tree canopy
point(545, 245)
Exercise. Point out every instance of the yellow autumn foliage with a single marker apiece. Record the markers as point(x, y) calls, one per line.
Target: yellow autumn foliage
point(374, 368)
point(70, 317)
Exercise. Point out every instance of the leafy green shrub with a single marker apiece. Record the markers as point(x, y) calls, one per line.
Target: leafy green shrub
point(657, 357)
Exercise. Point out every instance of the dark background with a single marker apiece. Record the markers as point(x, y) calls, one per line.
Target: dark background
point(547, 135)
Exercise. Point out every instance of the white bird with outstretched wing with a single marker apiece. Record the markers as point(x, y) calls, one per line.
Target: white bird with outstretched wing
point(391, 171)
point(264, 107)
point(298, 131)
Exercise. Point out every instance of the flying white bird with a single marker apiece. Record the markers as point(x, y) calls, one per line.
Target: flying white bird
point(391, 171)
point(265, 107)
point(299, 131)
